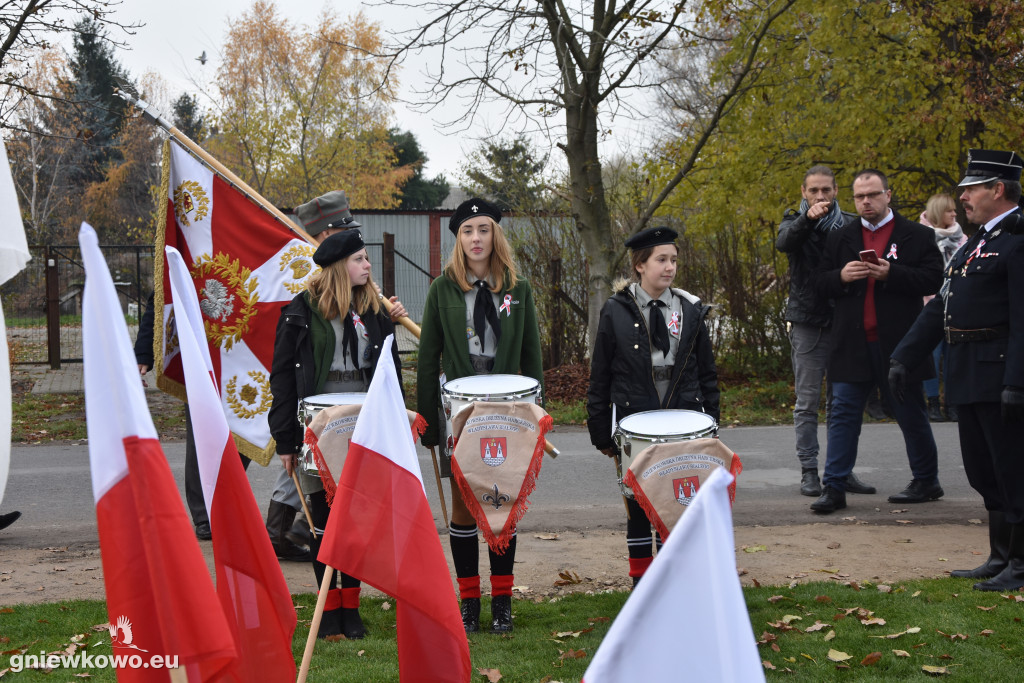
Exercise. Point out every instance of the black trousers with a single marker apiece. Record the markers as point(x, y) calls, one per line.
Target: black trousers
point(993, 453)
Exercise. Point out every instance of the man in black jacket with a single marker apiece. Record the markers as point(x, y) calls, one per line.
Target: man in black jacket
point(980, 311)
point(802, 236)
point(877, 269)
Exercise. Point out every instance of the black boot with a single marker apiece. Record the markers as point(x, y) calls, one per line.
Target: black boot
point(1012, 576)
point(9, 519)
point(470, 608)
point(832, 499)
point(279, 523)
point(501, 614)
point(951, 413)
point(352, 624)
point(299, 533)
point(999, 550)
point(935, 410)
point(810, 485)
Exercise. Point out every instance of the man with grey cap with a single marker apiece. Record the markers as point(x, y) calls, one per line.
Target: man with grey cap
point(980, 312)
point(320, 218)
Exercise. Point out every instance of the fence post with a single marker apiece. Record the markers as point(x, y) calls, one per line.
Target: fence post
point(52, 309)
point(557, 329)
point(389, 264)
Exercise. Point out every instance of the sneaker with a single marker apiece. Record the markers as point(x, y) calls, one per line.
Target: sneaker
point(918, 492)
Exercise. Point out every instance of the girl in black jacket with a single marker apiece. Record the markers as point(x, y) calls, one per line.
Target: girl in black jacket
point(328, 341)
point(652, 352)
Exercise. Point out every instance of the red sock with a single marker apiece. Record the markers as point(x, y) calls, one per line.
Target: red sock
point(469, 587)
point(333, 599)
point(501, 584)
point(638, 566)
point(350, 598)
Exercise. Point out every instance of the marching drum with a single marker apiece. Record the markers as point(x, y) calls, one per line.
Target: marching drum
point(457, 394)
point(636, 432)
point(309, 407)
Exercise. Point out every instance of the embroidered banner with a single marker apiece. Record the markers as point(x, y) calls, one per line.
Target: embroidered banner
point(499, 449)
point(666, 476)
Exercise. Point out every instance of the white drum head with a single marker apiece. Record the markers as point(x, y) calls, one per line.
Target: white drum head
point(490, 385)
point(666, 423)
point(321, 401)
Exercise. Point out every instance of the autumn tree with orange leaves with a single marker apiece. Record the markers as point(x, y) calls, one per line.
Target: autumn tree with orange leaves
point(300, 110)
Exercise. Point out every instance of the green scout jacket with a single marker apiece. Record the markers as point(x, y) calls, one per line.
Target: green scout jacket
point(444, 345)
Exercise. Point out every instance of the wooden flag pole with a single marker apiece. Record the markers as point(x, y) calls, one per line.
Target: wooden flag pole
point(314, 626)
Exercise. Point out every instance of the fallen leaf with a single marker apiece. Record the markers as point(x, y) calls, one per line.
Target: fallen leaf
point(943, 559)
point(816, 626)
point(574, 634)
point(985, 609)
point(775, 598)
point(492, 675)
point(798, 575)
point(768, 665)
point(804, 654)
point(335, 638)
point(790, 618)
point(834, 545)
point(898, 511)
point(830, 635)
point(904, 521)
point(986, 632)
point(360, 653)
point(837, 656)
point(754, 548)
point(849, 519)
point(828, 570)
point(974, 521)
point(598, 620)
point(572, 654)
point(902, 540)
point(934, 670)
point(914, 629)
point(901, 653)
point(946, 657)
point(757, 584)
point(546, 537)
point(871, 659)
point(854, 585)
point(882, 588)
point(6, 610)
point(915, 594)
point(568, 578)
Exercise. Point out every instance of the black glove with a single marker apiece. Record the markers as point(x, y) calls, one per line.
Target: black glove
point(1013, 404)
point(897, 380)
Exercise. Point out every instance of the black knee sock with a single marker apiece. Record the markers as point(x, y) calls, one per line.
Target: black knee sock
point(465, 549)
point(502, 564)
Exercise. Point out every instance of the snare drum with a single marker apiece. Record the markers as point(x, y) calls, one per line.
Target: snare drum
point(309, 407)
point(640, 430)
point(457, 394)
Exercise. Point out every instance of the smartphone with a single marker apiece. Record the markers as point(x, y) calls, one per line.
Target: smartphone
point(869, 256)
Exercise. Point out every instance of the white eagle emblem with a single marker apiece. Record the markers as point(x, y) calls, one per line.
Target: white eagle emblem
point(125, 626)
point(215, 301)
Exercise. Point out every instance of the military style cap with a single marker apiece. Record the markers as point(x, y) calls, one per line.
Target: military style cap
point(338, 246)
point(472, 208)
point(652, 237)
point(985, 165)
point(328, 211)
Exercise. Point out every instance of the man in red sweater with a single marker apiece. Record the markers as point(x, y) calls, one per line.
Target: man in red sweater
point(877, 268)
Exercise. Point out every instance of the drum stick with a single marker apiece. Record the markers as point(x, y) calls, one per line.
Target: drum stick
point(440, 489)
point(302, 499)
point(550, 449)
point(405, 321)
point(314, 626)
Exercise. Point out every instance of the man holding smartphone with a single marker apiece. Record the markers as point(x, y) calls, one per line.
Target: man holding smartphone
point(877, 295)
point(802, 236)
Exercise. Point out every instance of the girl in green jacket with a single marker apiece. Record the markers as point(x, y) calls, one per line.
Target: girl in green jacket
point(479, 319)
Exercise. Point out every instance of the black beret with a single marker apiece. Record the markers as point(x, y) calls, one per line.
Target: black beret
point(327, 211)
point(985, 165)
point(338, 246)
point(652, 237)
point(470, 209)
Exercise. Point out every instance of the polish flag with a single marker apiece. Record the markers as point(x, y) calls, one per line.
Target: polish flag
point(159, 592)
point(686, 620)
point(251, 587)
point(381, 531)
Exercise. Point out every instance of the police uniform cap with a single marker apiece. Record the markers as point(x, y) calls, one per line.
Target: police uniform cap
point(986, 165)
point(338, 246)
point(328, 211)
point(471, 208)
point(652, 237)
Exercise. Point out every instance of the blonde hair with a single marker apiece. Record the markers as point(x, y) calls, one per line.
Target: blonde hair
point(333, 291)
point(640, 256)
point(936, 207)
point(501, 263)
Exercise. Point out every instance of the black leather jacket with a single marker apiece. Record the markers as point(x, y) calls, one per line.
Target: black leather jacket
point(293, 373)
point(621, 371)
point(804, 246)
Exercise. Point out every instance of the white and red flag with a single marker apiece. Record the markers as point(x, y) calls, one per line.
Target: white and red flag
point(159, 593)
point(251, 587)
point(245, 264)
point(381, 531)
point(686, 620)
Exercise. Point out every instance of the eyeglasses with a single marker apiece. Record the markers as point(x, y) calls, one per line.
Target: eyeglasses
point(869, 195)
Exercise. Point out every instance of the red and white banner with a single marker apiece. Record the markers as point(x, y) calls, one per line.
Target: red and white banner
point(252, 590)
point(160, 598)
point(381, 531)
point(686, 620)
point(245, 265)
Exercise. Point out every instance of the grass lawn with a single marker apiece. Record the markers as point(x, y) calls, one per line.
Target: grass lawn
point(811, 632)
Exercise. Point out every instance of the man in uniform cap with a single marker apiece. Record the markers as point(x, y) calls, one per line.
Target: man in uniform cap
point(980, 311)
point(320, 218)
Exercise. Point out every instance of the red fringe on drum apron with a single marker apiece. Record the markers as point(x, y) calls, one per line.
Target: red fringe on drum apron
point(500, 543)
point(644, 502)
point(419, 425)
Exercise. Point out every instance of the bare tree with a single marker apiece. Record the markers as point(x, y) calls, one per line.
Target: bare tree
point(572, 69)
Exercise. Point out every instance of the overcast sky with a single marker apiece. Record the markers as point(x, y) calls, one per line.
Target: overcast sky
point(177, 32)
